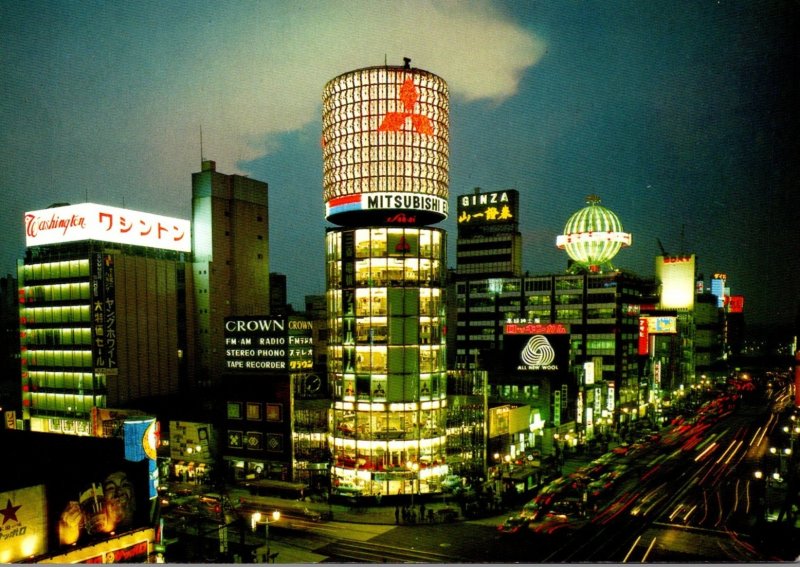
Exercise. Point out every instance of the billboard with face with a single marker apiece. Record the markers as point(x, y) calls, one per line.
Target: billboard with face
point(90, 493)
point(103, 501)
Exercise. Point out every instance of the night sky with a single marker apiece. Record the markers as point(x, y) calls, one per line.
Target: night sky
point(679, 115)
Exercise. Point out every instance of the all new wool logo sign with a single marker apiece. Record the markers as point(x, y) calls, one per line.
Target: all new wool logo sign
point(536, 348)
point(538, 354)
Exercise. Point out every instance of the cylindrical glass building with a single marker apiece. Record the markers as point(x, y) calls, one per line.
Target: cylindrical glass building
point(385, 135)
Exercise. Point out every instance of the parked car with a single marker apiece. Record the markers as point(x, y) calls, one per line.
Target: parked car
point(347, 489)
point(451, 482)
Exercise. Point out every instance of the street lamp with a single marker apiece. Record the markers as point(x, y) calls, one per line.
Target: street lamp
point(254, 521)
point(414, 468)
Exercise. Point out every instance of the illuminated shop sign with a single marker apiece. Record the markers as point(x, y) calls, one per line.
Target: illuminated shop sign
point(677, 259)
point(190, 441)
point(677, 277)
point(23, 532)
point(385, 136)
point(499, 207)
point(662, 325)
point(90, 504)
point(135, 553)
point(735, 303)
point(142, 437)
point(644, 336)
point(535, 329)
point(256, 343)
point(301, 345)
point(389, 208)
point(90, 221)
point(536, 352)
point(107, 422)
point(104, 314)
point(655, 325)
point(133, 547)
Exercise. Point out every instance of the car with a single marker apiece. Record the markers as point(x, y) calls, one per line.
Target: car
point(621, 450)
point(347, 489)
point(513, 525)
point(451, 482)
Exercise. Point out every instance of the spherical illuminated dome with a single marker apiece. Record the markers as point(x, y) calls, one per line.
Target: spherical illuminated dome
point(593, 235)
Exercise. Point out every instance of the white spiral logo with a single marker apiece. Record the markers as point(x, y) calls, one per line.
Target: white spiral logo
point(538, 352)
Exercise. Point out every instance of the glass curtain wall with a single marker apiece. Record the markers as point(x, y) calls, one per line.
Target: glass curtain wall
point(387, 359)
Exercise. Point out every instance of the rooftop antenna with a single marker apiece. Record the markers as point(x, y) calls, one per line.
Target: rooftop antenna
point(407, 62)
point(201, 145)
point(663, 251)
point(385, 61)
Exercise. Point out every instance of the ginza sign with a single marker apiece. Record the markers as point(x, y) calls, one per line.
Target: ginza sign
point(89, 221)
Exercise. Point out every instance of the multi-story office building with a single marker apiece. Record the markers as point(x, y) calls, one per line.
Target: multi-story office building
point(230, 255)
point(10, 395)
point(385, 150)
point(600, 313)
point(489, 243)
point(102, 293)
point(595, 306)
point(709, 336)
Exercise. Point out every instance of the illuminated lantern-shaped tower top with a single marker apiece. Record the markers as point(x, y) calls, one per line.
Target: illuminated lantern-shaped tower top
point(385, 147)
point(593, 236)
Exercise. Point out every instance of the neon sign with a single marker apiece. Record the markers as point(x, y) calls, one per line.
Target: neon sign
point(394, 121)
point(90, 221)
point(488, 208)
point(385, 136)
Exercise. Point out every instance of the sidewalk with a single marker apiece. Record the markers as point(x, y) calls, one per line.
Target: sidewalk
point(445, 509)
point(389, 513)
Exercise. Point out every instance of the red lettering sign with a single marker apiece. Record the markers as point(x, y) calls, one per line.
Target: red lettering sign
point(676, 259)
point(402, 218)
point(535, 329)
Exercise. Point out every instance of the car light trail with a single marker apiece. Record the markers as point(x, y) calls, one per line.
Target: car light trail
point(649, 547)
point(635, 543)
point(705, 452)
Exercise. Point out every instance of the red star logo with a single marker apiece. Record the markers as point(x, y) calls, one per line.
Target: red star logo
point(393, 121)
point(10, 513)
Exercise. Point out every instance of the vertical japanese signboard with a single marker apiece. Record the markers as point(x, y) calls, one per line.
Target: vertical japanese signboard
point(104, 314)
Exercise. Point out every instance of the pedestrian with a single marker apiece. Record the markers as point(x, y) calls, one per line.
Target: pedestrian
point(397, 515)
point(421, 511)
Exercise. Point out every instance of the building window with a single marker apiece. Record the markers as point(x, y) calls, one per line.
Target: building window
point(274, 442)
point(274, 412)
point(255, 441)
point(253, 411)
point(235, 439)
point(234, 410)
